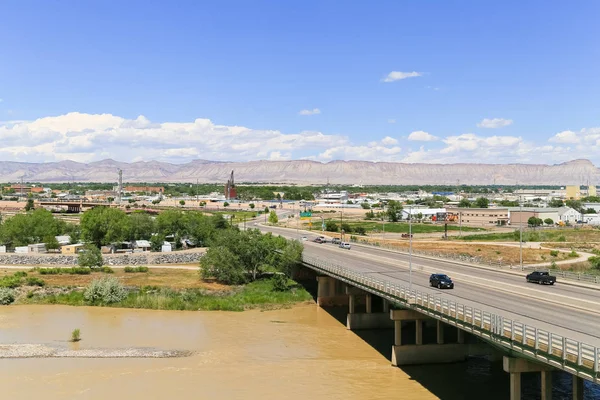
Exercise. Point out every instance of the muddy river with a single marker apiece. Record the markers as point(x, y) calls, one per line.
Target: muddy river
point(300, 353)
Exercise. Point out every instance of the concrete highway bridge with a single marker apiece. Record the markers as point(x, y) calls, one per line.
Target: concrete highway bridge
point(532, 328)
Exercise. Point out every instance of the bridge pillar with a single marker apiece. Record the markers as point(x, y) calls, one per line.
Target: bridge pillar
point(546, 385)
point(440, 332)
point(577, 388)
point(419, 331)
point(516, 366)
point(386, 306)
point(461, 336)
point(364, 320)
point(330, 292)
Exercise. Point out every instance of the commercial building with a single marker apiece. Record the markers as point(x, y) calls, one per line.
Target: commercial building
point(480, 216)
point(573, 192)
point(71, 248)
point(518, 216)
point(568, 215)
point(145, 189)
point(591, 219)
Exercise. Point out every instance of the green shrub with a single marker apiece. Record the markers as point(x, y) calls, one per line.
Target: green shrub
point(561, 239)
point(105, 290)
point(553, 265)
point(129, 269)
point(20, 274)
point(280, 283)
point(573, 254)
point(107, 270)
point(90, 257)
point(136, 269)
point(10, 281)
point(7, 296)
point(76, 335)
point(35, 281)
point(554, 253)
point(595, 261)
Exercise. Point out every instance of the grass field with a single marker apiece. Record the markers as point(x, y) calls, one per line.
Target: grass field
point(541, 235)
point(402, 227)
point(258, 294)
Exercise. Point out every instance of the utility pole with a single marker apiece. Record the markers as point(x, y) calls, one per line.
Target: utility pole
point(410, 251)
point(342, 223)
point(460, 223)
point(521, 235)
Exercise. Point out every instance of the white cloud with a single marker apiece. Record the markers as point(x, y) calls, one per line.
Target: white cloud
point(389, 141)
point(421, 136)
point(1, 100)
point(494, 123)
point(310, 112)
point(398, 75)
point(565, 137)
point(391, 121)
point(90, 137)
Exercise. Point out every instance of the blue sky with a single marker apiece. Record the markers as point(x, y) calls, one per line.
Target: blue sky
point(75, 77)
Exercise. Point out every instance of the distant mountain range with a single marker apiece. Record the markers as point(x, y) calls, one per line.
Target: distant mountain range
point(305, 172)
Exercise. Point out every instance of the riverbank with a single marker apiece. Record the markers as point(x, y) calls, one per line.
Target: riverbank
point(156, 289)
point(47, 351)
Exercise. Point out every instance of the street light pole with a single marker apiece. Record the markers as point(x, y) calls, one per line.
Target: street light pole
point(521, 236)
point(410, 252)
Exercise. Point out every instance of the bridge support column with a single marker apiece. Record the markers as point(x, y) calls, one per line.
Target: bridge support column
point(461, 336)
point(330, 292)
point(419, 331)
point(421, 353)
point(516, 366)
point(364, 320)
point(440, 332)
point(546, 385)
point(577, 388)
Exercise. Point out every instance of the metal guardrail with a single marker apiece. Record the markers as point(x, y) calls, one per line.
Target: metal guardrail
point(570, 355)
point(575, 276)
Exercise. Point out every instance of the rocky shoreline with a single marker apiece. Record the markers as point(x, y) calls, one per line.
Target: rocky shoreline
point(146, 258)
point(50, 351)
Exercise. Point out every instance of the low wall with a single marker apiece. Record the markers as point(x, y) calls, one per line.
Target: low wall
point(148, 258)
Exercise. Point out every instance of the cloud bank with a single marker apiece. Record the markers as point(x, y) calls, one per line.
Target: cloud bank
point(92, 137)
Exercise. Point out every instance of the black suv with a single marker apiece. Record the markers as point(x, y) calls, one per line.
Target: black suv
point(441, 281)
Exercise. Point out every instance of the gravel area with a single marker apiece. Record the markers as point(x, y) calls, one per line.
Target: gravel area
point(48, 351)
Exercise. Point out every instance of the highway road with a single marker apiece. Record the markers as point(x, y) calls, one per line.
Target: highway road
point(566, 310)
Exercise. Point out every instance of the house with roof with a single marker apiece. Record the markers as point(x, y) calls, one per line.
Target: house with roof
point(569, 215)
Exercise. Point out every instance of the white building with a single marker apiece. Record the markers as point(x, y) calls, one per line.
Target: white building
point(567, 214)
point(166, 247)
point(426, 213)
point(591, 219)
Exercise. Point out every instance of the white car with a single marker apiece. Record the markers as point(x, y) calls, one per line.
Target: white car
point(345, 245)
point(304, 238)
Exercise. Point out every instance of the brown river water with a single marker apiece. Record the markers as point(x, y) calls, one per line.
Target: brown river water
point(299, 353)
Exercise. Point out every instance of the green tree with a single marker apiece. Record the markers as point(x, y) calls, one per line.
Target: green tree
point(534, 221)
point(549, 221)
point(90, 257)
point(273, 217)
point(482, 202)
point(141, 225)
point(104, 225)
point(331, 226)
point(172, 222)
point(419, 216)
point(574, 204)
point(33, 227)
point(251, 205)
point(266, 211)
point(595, 262)
point(226, 204)
point(202, 204)
point(51, 243)
point(394, 210)
point(182, 203)
point(589, 211)
point(346, 228)
point(359, 230)
point(555, 203)
point(370, 215)
point(365, 205)
point(156, 242)
point(464, 203)
point(222, 264)
point(29, 205)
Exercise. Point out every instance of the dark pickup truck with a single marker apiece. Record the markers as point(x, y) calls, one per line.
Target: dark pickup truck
point(543, 278)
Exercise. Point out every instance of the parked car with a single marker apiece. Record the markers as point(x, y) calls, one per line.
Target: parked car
point(304, 238)
point(406, 235)
point(318, 240)
point(345, 245)
point(441, 281)
point(336, 241)
point(541, 277)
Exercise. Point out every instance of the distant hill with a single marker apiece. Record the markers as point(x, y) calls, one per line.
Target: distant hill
point(305, 172)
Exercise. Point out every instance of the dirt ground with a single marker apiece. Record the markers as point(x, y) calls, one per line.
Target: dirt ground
point(491, 252)
point(161, 277)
